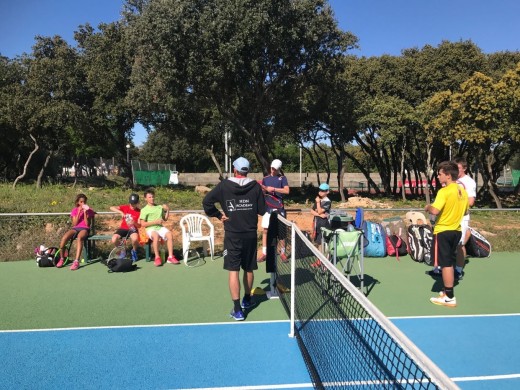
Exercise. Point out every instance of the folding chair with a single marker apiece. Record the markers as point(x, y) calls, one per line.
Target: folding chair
point(197, 227)
point(344, 250)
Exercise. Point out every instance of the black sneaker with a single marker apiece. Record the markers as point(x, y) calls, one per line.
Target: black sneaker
point(459, 275)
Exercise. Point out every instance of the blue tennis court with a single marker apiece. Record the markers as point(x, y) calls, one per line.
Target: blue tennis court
point(239, 355)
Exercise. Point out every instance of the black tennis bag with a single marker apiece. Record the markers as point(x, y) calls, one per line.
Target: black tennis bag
point(420, 240)
point(121, 265)
point(477, 245)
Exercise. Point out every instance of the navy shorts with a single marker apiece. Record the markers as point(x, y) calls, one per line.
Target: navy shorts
point(240, 253)
point(125, 232)
point(444, 248)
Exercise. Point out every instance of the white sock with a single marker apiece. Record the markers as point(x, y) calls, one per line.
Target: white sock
point(264, 250)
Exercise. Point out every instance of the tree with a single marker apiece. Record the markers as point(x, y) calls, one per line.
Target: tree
point(258, 63)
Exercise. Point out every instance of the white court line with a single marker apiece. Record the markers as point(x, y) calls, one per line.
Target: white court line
point(486, 378)
point(144, 326)
point(235, 323)
point(456, 316)
point(288, 386)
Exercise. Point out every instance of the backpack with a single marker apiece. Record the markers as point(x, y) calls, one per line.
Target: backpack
point(478, 245)
point(420, 239)
point(45, 256)
point(120, 265)
point(396, 239)
point(375, 239)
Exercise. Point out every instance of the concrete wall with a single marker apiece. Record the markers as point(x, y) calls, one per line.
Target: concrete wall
point(352, 180)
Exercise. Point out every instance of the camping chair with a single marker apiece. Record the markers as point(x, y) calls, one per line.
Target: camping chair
point(197, 227)
point(344, 249)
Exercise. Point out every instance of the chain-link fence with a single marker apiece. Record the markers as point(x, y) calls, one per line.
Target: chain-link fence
point(20, 234)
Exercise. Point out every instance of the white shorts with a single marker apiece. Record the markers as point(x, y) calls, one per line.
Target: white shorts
point(162, 233)
point(464, 225)
point(265, 220)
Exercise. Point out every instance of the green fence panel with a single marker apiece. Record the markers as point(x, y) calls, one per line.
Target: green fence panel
point(516, 175)
point(152, 178)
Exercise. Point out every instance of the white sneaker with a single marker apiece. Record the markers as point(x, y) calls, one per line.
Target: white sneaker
point(443, 300)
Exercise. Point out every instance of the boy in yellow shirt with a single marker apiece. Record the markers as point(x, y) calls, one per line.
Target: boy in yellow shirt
point(451, 204)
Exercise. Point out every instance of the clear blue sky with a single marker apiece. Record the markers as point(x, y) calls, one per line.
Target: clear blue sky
point(382, 26)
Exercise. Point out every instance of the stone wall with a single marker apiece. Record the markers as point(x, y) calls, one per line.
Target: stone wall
point(352, 180)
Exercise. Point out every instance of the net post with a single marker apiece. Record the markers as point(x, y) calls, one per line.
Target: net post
point(293, 278)
point(273, 292)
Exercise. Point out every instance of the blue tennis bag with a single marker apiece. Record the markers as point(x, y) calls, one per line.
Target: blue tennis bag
point(375, 239)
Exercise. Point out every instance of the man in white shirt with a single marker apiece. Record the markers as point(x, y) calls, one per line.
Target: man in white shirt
point(471, 188)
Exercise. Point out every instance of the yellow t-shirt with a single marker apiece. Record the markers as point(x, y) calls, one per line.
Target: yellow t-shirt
point(452, 201)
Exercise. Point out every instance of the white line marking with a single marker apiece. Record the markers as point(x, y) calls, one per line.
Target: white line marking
point(457, 316)
point(485, 378)
point(143, 326)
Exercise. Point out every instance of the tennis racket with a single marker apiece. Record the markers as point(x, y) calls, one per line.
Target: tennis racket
point(63, 254)
point(119, 252)
point(192, 258)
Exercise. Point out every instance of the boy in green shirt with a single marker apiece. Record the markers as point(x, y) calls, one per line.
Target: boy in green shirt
point(152, 218)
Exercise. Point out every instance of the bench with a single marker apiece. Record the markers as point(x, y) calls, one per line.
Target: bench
point(88, 252)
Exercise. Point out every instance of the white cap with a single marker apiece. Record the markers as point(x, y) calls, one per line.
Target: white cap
point(276, 164)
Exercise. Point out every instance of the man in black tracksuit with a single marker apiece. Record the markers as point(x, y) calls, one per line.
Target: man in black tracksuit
point(242, 201)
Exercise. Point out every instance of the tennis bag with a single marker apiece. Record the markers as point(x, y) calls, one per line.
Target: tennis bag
point(396, 239)
point(120, 265)
point(375, 239)
point(478, 245)
point(420, 239)
point(45, 256)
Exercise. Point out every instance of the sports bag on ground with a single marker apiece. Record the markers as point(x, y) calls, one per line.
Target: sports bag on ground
point(420, 239)
point(477, 245)
point(375, 239)
point(396, 239)
point(121, 265)
point(45, 256)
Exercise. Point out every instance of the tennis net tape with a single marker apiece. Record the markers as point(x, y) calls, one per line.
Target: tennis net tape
point(345, 340)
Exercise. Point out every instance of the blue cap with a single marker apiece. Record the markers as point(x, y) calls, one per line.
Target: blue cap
point(241, 165)
point(324, 187)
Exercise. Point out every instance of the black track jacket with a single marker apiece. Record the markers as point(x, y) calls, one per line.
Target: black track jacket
point(242, 201)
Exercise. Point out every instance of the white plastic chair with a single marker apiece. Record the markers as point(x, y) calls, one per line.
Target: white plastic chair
point(193, 229)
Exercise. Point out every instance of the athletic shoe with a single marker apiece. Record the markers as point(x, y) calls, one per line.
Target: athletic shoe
point(157, 262)
point(261, 259)
point(459, 275)
point(173, 260)
point(237, 315)
point(443, 300)
point(246, 305)
point(75, 265)
point(316, 264)
point(284, 258)
point(134, 255)
point(60, 263)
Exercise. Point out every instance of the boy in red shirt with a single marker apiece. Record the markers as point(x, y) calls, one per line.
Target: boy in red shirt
point(129, 223)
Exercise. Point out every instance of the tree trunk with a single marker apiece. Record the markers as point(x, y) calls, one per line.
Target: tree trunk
point(36, 147)
point(40, 175)
point(429, 148)
point(341, 180)
point(490, 182)
point(403, 150)
point(210, 151)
